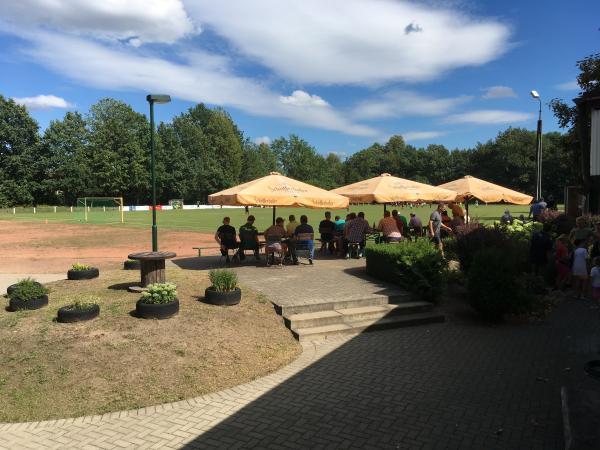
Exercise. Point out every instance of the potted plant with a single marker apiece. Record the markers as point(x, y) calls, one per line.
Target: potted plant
point(159, 301)
point(28, 294)
point(12, 287)
point(82, 272)
point(80, 310)
point(224, 290)
point(131, 264)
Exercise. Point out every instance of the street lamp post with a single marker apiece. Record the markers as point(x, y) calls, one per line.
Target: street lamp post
point(538, 152)
point(152, 99)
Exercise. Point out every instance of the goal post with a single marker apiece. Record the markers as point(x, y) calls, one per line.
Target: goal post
point(101, 209)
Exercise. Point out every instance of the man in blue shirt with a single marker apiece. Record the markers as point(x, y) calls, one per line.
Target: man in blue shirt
point(305, 235)
point(537, 209)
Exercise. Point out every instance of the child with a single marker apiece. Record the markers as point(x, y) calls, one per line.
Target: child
point(580, 272)
point(595, 277)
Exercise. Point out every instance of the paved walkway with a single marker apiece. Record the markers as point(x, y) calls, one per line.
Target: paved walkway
point(6, 279)
point(459, 385)
point(327, 280)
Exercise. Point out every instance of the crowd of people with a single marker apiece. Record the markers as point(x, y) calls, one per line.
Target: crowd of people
point(343, 237)
point(575, 257)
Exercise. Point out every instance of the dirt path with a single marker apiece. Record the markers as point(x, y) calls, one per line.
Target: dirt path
point(49, 248)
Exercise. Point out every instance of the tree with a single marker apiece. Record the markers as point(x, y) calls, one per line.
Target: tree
point(67, 159)
point(299, 160)
point(119, 146)
point(19, 150)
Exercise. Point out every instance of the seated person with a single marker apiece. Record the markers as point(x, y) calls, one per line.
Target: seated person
point(225, 237)
point(356, 231)
point(457, 213)
point(327, 230)
point(248, 238)
point(401, 222)
point(446, 220)
point(506, 218)
point(274, 236)
point(389, 228)
point(415, 225)
point(304, 237)
point(291, 226)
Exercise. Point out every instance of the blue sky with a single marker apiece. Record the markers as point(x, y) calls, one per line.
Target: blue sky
point(340, 73)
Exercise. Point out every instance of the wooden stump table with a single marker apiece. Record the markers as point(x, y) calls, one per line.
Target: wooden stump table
point(152, 267)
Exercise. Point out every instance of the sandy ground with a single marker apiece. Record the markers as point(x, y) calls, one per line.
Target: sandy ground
point(38, 248)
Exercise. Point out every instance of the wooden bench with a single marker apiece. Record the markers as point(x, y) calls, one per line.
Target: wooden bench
point(261, 245)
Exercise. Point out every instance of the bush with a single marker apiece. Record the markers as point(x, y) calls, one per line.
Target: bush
point(223, 280)
point(416, 266)
point(470, 241)
point(83, 304)
point(449, 244)
point(28, 289)
point(79, 267)
point(159, 293)
point(496, 287)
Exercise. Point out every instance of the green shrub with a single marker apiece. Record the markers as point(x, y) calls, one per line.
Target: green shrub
point(82, 304)
point(79, 267)
point(159, 293)
point(449, 244)
point(496, 287)
point(27, 290)
point(223, 280)
point(416, 266)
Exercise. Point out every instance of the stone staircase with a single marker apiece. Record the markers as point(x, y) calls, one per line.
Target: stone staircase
point(315, 321)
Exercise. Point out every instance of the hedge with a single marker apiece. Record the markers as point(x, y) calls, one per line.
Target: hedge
point(416, 266)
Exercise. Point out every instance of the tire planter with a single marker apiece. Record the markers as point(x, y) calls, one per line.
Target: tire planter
point(16, 304)
point(156, 311)
point(222, 298)
point(12, 287)
point(69, 315)
point(83, 274)
point(131, 265)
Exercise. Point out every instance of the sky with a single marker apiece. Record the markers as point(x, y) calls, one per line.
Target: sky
point(341, 74)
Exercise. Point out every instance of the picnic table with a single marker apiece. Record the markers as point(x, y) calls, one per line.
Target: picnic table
point(152, 266)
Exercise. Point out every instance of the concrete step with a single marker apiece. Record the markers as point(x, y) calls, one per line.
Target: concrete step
point(355, 327)
point(323, 318)
point(374, 300)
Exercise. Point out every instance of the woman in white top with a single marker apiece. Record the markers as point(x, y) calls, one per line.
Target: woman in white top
point(579, 269)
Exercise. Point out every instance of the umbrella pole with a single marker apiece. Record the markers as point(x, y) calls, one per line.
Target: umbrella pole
point(467, 208)
point(384, 208)
point(274, 210)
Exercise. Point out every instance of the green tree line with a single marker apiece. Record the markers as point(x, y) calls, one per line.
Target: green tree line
point(105, 152)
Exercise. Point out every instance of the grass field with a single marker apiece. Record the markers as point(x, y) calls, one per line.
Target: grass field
point(207, 220)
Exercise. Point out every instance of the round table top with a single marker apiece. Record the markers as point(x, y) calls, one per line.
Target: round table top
point(150, 256)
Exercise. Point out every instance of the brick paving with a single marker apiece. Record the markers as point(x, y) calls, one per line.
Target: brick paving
point(459, 385)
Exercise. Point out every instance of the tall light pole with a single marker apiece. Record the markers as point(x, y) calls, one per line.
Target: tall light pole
point(152, 99)
point(538, 152)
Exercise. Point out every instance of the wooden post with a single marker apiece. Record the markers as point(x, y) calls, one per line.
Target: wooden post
point(152, 271)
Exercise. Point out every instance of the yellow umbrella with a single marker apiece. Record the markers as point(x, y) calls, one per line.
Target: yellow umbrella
point(469, 187)
point(277, 190)
point(388, 189)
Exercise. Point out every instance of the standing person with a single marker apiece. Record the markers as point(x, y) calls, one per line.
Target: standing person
point(551, 203)
point(595, 279)
point(327, 230)
point(541, 246)
point(580, 271)
point(401, 221)
point(225, 237)
point(436, 226)
point(536, 209)
point(562, 260)
point(581, 231)
point(304, 236)
point(388, 226)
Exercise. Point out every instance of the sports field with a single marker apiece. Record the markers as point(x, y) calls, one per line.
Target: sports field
point(207, 220)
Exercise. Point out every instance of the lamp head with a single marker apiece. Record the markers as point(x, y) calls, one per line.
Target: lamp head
point(535, 94)
point(158, 98)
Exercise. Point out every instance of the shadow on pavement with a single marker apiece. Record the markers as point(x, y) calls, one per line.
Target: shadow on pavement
point(437, 386)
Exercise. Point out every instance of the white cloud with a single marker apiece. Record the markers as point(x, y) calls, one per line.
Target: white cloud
point(400, 103)
point(301, 98)
point(137, 21)
point(421, 135)
point(42, 102)
point(201, 77)
point(498, 92)
point(262, 140)
point(568, 86)
point(489, 116)
point(352, 41)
